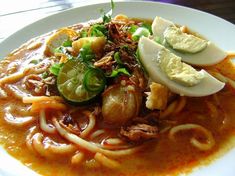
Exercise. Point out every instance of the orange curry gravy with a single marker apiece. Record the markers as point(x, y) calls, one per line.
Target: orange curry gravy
point(159, 157)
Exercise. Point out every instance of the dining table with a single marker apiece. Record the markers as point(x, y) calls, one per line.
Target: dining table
point(15, 14)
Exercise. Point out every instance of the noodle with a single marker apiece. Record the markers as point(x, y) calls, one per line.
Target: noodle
point(37, 106)
point(224, 79)
point(35, 99)
point(3, 94)
point(43, 125)
point(58, 148)
point(48, 147)
point(201, 146)
point(212, 109)
point(16, 92)
point(92, 163)
point(17, 121)
point(36, 70)
point(107, 162)
point(38, 145)
point(112, 147)
point(169, 110)
point(180, 105)
point(114, 141)
point(97, 133)
point(77, 158)
point(90, 126)
point(91, 147)
point(29, 139)
point(12, 78)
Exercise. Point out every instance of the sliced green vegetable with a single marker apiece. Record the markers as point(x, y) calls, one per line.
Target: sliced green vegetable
point(98, 30)
point(141, 31)
point(60, 49)
point(34, 61)
point(148, 26)
point(125, 47)
point(86, 54)
point(67, 43)
point(70, 82)
point(44, 75)
point(107, 16)
point(94, 80)
point(117, 58)
point(83, 33)
point(133, 28)
point(55, 68)
point(118, 71)
point(137, 56)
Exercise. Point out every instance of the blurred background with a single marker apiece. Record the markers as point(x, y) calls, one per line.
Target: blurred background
point(15, 14)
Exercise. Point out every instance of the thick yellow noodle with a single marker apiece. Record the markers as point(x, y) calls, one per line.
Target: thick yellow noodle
point(34, 99)
point(29, 139)
point(12, 78)
point(92, 147)
point(97, 133)
point(43, 124)
point(105, 161)
point(169, 110)
point(17, 121)
point(15, 91)
point(90, 125)
point(202, 146)
point(47, 147)
point(77, 158)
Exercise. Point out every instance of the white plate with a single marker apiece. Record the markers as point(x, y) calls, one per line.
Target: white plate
point(215, 29)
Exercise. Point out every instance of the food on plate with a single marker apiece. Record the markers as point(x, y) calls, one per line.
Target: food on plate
point(116, 96)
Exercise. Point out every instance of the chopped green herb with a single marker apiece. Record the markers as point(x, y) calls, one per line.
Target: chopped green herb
point(117, 58)
point(141, 31)
point(60, 49)
point(86, 54)
point(118, 71)
point(34, 61)
point(98, 30)
point(147, 26)
point(83, 33)
point(55, 68)
point(112, 4)
point(67, 43)
point(107, 16)
point(137, 56)
point(125, 47)
point(44, 75)
point(133, 28)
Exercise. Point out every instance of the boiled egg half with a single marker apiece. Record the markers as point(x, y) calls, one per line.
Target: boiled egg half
point(192, 49)
point(203, 83)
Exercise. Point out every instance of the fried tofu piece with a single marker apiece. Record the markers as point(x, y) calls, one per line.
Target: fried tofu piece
point(58, 38)
point(157, 97)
